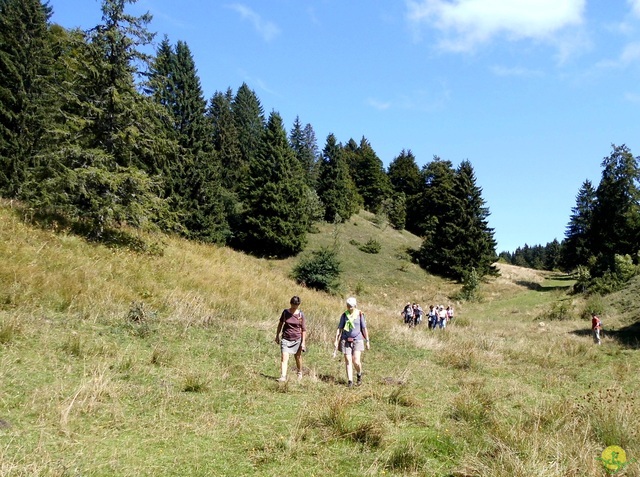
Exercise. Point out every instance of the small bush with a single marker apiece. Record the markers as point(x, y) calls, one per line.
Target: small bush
point(320, 271)
point(559, 311)
point(372, 246)
point(194, 383)
point(470, 287)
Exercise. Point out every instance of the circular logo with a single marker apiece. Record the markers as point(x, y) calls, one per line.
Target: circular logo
point(614, 458)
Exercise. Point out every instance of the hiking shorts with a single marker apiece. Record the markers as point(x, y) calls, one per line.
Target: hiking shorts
point(289, 346)
point(349, 347)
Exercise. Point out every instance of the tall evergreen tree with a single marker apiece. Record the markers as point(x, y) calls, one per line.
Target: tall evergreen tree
point(368, 174)
point(461, 240)
point(226, 141)
point(305, 146)
point(577, 246)
point(404, 174)
point(25, 76)
point(109, 137)
point(249, 120)
point(405, 180)
point(277, 217)
point(431, 205)
point(335, 186)
point(197, 188)
point(616, 215)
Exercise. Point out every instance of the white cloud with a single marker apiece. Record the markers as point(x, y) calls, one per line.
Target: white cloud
point(630, 55)
point(514, 71)
point(379, 105)
point(635, 6)
point(466, 24)
point(268, 30)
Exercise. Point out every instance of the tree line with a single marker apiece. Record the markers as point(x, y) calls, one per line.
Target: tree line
point(96, 131)
point(602, 238)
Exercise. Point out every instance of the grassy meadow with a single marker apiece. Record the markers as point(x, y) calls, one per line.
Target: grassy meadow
point(120, 363)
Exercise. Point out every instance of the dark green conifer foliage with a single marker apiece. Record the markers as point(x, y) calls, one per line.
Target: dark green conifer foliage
point(226, 141)
point(577, 246)
point(335, 186)
point(305, 147)
point(277, 218)
point(107, 138)
point(406, 179)
point(196, 189)
point(25, 75)
point(249, 120)
point(368, 174)
point(616, 214)
point(457, 236)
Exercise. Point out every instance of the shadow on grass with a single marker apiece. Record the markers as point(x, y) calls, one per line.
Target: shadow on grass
point(628, 336)
point(541, 287)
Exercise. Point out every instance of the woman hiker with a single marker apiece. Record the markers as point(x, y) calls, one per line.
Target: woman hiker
point(351, 336)
point(292, 341)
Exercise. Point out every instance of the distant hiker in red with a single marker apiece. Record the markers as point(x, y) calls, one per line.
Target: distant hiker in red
point(596, 326)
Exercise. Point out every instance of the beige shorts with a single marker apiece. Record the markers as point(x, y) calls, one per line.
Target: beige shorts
point(348, 348)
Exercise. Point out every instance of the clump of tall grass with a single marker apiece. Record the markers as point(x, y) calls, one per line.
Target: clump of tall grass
point(612, 415)
point(194, 383)
point(9, 331)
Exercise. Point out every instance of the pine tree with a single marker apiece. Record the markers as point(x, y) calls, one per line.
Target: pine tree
point(110, 144)
point(368, 174)
point(305, 147)
point(335, 186)
point(249, 120)
point(458, 237)
point(407, 179)
point(577, 246)
point(25, 76)
point(276, 219)
point(616, 214)
point(226, 141)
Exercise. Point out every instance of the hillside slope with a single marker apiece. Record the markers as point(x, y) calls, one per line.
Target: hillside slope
point(120, 363)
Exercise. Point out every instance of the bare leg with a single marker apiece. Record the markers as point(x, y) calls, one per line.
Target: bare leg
point(349, 367)
point(284, 364)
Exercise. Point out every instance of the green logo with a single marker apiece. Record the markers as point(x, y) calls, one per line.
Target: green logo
point(614, 459)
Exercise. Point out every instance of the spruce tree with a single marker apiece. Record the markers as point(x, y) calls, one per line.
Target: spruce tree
point(25, 76)
point(616, 214)
point(458, 238)
point(335, 186)
point(368, 174)
point(226, 141)
point(406, 182)
point(305, 147)
point(248, 116)
point(577, 247)
point(276, 218)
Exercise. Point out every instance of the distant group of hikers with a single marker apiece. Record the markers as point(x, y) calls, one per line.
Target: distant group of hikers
point(437, 316)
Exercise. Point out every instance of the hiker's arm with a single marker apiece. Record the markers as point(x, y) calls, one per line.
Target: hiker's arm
point(304, 341)
point(278, 332)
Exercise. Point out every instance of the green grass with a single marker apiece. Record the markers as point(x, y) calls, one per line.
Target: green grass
point(119, 363)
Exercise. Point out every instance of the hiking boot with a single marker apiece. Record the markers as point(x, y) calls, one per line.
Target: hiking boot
point(299, 375)
point(282, 379)
point(350, 384)
point(359, 379)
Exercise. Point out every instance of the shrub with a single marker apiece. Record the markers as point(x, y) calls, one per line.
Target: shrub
point(471, 284)
point(372, 246)
point(560, 310)
point(321, 270)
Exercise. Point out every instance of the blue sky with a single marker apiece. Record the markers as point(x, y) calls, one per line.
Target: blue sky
point(531, 92)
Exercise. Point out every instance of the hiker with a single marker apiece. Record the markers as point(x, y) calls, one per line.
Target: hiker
point(596, 326)
point(293, 326)
point(417, 314)
point(433, 317)
point(442, 317)
point(407, 314)
point(351, 338)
